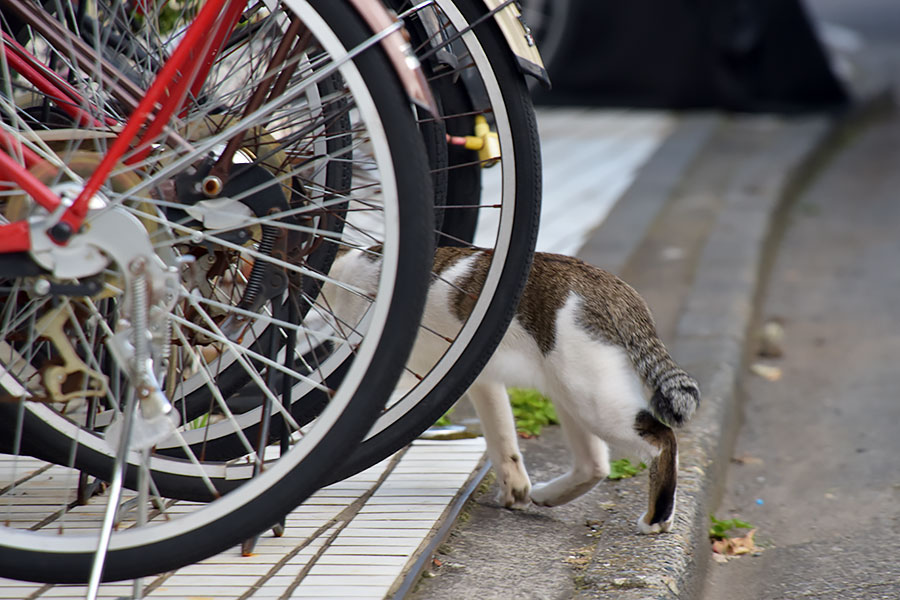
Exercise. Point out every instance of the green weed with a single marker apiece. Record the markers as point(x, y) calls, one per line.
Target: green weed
point(720, 529)
point(623, 469)
point(532, 410)
point(444, 420)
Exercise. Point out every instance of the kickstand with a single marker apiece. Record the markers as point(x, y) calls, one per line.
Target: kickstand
point(248, 545)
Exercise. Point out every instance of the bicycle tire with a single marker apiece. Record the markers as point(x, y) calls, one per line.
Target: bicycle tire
point(520, 208)
point(246, 510)
point(513, 114)
point(404, 421)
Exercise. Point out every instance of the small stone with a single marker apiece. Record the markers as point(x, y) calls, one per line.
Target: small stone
point(771, 339)
point(636, 582)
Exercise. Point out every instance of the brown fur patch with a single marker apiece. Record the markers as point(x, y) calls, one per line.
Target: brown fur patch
point(471, 283)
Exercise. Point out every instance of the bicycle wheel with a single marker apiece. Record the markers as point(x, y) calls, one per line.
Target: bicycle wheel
point(224, 268)
point(473, 73)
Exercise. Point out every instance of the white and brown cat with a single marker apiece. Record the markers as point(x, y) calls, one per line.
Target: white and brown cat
point(584, 338)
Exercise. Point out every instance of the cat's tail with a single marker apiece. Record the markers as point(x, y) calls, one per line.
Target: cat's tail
point(676, 395)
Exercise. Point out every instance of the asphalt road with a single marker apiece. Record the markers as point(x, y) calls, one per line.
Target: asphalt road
point(817, 466)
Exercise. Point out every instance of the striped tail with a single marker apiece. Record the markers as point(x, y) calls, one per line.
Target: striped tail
point(676, 395)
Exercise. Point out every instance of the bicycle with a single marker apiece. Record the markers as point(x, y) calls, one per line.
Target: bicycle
point(164, 231)
point(473, 73)
point(404, 419)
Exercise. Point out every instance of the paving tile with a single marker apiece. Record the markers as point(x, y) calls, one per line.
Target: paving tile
point(362, 559)
point(213, 568)
point(193, 592)
point(16, 592)
point(342, 570)
point(388, 524)
point(280, 581)
point(324, 591)
point(72, 591)
point(355, 530)
point(405, 500)
point(367, 550)
point(222, 578)
point(347, 580)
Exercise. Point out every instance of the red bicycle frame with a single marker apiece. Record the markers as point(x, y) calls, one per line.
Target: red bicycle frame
point(185, 70)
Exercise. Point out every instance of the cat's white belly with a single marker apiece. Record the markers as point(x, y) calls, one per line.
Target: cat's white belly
point(517, 362)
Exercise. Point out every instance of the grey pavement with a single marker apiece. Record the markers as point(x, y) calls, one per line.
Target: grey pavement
point(818, 469)
point(696, 235)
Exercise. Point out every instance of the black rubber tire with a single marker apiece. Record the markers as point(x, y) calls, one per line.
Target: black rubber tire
point(526, 151)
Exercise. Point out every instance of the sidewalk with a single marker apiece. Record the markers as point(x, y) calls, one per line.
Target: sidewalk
point(691, 235)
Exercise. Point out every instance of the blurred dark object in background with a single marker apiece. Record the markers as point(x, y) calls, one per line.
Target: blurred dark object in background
point(739, 55)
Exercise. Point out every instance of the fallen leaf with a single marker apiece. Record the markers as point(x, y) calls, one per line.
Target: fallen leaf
point(736, 546)
point(767, 372)
point(745, 545)
point(581, 557)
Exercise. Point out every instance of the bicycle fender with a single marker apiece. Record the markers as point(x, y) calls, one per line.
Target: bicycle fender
point(519, 38)
point(396, 46)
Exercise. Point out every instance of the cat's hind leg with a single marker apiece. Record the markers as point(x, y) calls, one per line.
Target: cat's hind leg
point(495, 413)
point(590, 465)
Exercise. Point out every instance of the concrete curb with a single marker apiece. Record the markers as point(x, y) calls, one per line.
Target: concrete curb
point(712, 342)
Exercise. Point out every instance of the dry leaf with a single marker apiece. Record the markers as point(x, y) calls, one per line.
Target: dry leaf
point(735, 546)
point(719, 558)
point(581, 557)
point(767, 372)
point(744, 545)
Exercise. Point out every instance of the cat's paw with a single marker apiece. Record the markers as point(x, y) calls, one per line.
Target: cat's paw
point(659, 527)
point(514, 499)
point(514, 488)
point(542, 496)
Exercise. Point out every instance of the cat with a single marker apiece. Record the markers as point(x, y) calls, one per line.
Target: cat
point(581, 336)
